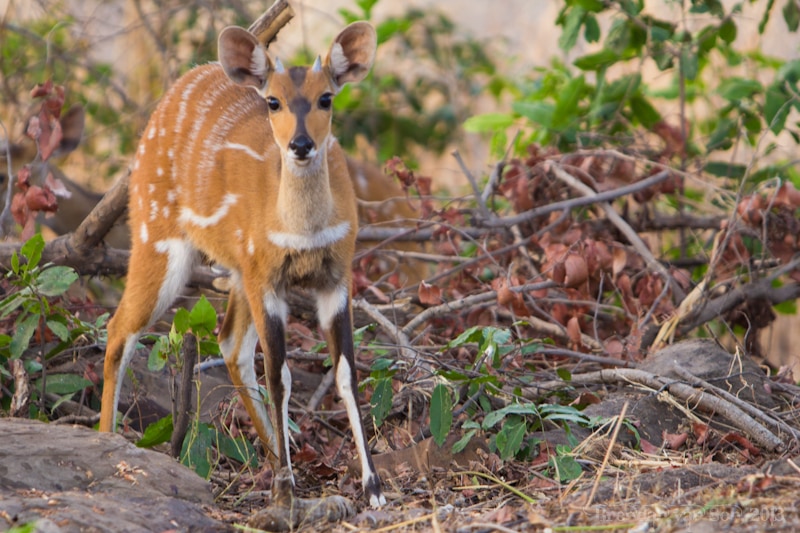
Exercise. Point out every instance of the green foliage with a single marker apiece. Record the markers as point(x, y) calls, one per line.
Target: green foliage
point(511, 426)
point(391, 109)
point(559, 106)
point(35, 303)
point(201, 321)
point(201, 439)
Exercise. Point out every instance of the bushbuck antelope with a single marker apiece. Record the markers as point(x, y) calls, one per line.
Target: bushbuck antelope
point(238, 162)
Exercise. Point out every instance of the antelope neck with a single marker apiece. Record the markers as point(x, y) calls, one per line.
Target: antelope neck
point(305, 201)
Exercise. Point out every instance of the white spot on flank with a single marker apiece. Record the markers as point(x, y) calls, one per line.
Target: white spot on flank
point(151, 133)
point(246, 149)
point(151, 188)
point(330, 304)
point(188, 215)
point(171, 153)
point(141, 149)
point(143, 233)
point(165, 211)
point(171, 195)
point(238, 234)
point(251, 247)
point(153, 210)
point(181, 256)
point(159, 172)
point(162, 132)
point(320, 239)
point(136, 164)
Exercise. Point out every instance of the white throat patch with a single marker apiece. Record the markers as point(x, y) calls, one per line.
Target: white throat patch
point(320, 239)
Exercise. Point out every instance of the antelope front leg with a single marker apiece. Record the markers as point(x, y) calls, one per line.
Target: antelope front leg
point(336, 319)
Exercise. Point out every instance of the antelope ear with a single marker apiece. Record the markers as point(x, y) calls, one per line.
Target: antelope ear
point(243, 58)
point(352, 53)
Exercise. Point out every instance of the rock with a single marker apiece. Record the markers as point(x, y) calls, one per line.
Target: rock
point(70, 478)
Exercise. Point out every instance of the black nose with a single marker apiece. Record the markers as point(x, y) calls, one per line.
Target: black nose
point(301, 146)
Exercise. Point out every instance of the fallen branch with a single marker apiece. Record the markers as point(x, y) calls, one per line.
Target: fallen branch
point(683, 392)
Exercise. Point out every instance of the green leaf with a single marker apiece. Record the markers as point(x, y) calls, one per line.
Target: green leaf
point(644, 111)
point(539, 112)
point(203, 318)
point(463, 441)
point(789, 307)
point(181, 323)
point(566, 466)
point(239, 449)
point(567, 102)
point(32, 251)
point(689, 64)
point(55, 281)
point(724, 169)
point(509, 439)
point(595, 6)
point(491, 419)
point(63, 383)
point(728, 30)
point(159, 355)
point(598, 60)
point(441, 413)
point(776, 109)
point(196, 452)
point(381, 400)
point(58, 327)
point(381, 364)
point(591, 29)
point(572, 27)
point(14, 262)
point(488, 122)
point(791, 14)
point(735, 89)
point(22, 337)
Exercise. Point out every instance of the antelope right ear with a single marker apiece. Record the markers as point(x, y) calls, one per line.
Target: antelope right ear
point(243, 58)
point(352, 53)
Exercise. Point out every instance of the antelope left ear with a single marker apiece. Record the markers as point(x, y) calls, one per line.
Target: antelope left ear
point(352, 53)
point(243, 58)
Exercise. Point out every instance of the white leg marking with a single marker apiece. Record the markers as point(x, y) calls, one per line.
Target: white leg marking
point(329, 304)
point(286, 380)
point(127, 354)
point(276, 306)
point(247, 373)
point(345, 386)
point(188, 215)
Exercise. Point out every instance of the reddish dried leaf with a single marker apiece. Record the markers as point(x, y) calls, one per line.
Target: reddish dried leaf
point(40, 199)
point(574, 331)
point(429, 294)
point(735, 438)
point(50, 137)
point(701, 432)
point(673, 441)
point(306, 454)
point(24, 178)
point(576, 269)
point(584, 399)
point(19, 208)
point(649, 447)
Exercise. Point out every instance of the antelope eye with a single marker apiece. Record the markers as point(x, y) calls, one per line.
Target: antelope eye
point(273, 103)
point(325, 101)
